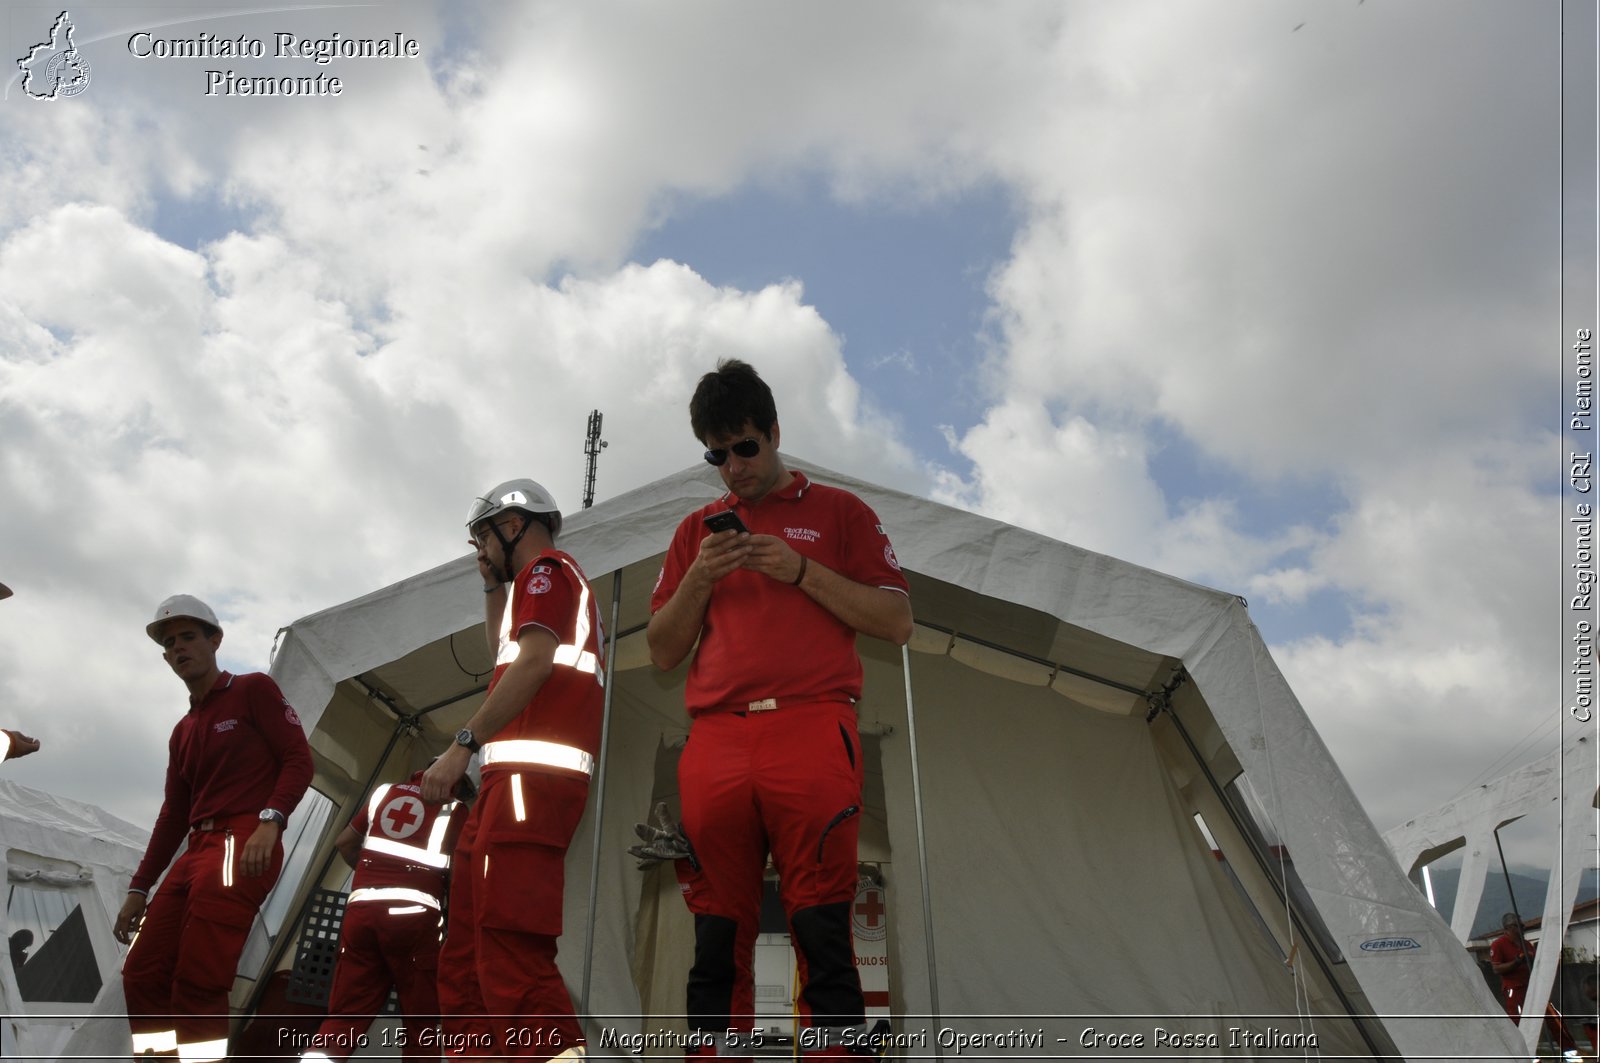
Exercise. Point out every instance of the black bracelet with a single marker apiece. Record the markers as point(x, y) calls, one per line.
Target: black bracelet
point(802, 575)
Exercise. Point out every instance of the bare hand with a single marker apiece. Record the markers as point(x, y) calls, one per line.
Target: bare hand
point(256, 856)
point(720, 553)
point(439, 781)
point(21, 745)
point(129, 918)
point(771, 556)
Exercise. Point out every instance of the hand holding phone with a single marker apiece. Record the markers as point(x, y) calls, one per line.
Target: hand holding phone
point(725, 520)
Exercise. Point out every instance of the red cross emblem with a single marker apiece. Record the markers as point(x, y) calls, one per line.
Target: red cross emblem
point(402, 817)
point(866, 914)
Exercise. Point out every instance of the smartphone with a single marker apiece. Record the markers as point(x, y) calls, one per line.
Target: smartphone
point(725, 520)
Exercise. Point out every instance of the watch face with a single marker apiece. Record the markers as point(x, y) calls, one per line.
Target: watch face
point(464, 737)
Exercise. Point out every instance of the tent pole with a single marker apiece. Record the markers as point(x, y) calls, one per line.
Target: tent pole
point(922, 848)
point(600, 796)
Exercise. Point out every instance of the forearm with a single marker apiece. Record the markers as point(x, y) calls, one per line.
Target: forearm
point(876, 611)
point(675, 627)
point(494, 610)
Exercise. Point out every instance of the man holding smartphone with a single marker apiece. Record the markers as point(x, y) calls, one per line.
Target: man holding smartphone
point(773, 759)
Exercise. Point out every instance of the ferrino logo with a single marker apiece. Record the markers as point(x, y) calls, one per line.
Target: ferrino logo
point(1390, 945)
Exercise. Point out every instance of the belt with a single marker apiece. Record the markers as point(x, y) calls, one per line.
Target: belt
point(214, 823)
point(744, 708)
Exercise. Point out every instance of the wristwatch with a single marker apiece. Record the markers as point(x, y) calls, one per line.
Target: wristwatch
point(272, 815)
point(464, 738)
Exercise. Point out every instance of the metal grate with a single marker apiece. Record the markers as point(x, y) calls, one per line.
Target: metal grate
point(317, 950)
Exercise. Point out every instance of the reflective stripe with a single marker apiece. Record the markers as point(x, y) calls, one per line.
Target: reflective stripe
point(410, 909)
point(568, 655)
point(407, 852)
point(315, 1057)
point(517, 806)
point(393, 893)
point(204, 1051)
point(5, 745)
point(535, 751)
point(162, 1041)
point(431, 854)
point(227, 860)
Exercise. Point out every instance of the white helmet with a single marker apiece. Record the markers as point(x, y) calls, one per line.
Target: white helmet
point(524, 495)
point(180, 605)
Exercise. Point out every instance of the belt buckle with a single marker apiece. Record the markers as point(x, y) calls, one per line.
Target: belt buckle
point(209, 823)
point(764, 705)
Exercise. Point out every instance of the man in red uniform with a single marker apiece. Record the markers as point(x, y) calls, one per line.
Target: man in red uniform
point(400, 846)
point(1511, 956)
point(238, 764)
point(773, 759)
point(536, 734)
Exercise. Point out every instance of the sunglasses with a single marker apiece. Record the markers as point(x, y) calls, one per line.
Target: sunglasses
point(745, 448)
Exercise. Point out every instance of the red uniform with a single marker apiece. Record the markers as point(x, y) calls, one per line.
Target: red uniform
point(1514, 983)
point(240, 749)
point(773, 760)
point(392, 920)
point(499, 988)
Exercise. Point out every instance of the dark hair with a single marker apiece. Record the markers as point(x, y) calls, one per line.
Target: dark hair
point(725, 399)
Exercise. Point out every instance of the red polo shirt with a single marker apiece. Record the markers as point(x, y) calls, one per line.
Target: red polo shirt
point(765, 639)
point(238, 750)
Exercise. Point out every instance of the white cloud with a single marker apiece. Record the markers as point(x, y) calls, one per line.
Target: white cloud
point(1317, 254)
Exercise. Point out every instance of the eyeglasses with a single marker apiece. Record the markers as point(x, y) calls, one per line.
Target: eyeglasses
point(746, 448)
point(479, 535)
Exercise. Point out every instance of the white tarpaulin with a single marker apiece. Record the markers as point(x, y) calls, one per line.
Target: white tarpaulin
point(67, 866)
point(1132, 830)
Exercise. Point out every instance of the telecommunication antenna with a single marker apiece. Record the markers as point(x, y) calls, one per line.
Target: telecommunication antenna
point(592, 446)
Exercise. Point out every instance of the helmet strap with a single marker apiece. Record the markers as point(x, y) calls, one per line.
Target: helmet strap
point(509, 546)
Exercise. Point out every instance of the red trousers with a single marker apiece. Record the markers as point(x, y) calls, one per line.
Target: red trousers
point(181, 968)
point(384, 944)
point(786, 781)
point(500, 991)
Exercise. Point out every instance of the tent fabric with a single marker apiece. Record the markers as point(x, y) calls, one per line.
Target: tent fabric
point(77, 859)
point(1066, 873)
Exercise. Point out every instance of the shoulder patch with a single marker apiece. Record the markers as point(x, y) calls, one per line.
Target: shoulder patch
point(289, 713)
point(539, 583)
point(888, 555)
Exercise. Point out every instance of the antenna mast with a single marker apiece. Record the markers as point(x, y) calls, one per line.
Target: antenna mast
point(592, 446)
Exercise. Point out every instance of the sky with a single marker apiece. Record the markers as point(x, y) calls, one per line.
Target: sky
point(1264, 294)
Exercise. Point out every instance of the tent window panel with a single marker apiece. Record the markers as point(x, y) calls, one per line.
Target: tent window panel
point(52, 956)
point(301, 839)
point(1233, 879)
point(1280, 865)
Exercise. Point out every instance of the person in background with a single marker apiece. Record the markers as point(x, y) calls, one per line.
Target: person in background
point(237, 765)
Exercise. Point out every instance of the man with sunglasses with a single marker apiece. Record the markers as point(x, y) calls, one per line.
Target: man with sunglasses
point(536, 735)
point(773, 759)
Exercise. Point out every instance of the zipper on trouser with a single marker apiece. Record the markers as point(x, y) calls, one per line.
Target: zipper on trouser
point(832, 823)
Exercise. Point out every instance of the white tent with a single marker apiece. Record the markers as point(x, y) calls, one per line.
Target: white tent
point(67, 866)
point(1034, 802)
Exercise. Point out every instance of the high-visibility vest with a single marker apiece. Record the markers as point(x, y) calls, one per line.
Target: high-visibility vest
point(422, 846)
point(573, 654)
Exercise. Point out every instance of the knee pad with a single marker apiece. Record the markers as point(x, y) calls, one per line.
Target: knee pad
point(710, 996)
point(833, 988)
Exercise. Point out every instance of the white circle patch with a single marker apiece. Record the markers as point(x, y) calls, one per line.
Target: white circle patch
point(539, 584)
point(402, 817)
point(888, 555)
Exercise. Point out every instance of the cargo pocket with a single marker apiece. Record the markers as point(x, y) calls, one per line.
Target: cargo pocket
point(522, 886)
